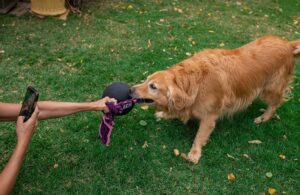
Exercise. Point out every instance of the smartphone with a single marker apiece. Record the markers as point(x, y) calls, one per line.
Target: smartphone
point(29, 103)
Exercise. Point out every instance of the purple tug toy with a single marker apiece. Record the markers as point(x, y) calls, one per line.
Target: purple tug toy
point(119, 91)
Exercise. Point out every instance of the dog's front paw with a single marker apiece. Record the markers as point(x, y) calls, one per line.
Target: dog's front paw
point(193, 156)
point(159, 115)
point(258, 120)
point(162, 115)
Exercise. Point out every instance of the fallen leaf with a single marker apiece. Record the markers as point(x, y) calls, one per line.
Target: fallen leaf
point(149, 43)
point(246, 156)
point(262, 110)
point(281, 156)
point(269, 174)
point(55, 166)
point(188, 54)
point(145, 145)
point(276, 116)
point(230, 156)
point(176, 152)
point(255, 141)
point(231, 177)
point(143, 123)
point(222, 44)
point(271, 191)
point(178, 10)
point(144, 107)
point(295, 22)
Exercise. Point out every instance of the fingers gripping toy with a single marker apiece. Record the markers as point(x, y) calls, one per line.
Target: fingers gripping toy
point(119, 91)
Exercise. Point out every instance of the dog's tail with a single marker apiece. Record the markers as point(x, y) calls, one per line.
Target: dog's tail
point(296, 47)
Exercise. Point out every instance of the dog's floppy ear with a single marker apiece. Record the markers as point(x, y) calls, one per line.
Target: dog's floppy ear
point(185, 89)
point(177, 99)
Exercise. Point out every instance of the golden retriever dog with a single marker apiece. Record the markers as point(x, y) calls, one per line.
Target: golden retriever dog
point(217, 82)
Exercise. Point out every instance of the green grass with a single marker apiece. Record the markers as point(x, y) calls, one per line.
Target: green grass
point(75, 60)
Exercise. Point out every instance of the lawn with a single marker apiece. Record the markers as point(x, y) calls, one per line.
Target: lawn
point(126, 41)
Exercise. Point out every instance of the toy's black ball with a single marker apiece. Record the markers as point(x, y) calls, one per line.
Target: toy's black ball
point(119, 91)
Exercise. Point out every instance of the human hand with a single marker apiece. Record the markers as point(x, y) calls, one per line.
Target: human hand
point(25, 129)
point(101, 104)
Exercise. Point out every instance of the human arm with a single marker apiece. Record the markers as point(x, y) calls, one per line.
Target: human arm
point(50, 109)
point(24, 133)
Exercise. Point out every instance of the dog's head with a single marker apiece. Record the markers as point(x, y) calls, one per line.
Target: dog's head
point(169, 90)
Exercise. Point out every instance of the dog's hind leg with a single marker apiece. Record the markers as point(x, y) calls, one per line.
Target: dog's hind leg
point(273, 95)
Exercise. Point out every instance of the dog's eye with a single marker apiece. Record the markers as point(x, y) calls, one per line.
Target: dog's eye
point(152, 86)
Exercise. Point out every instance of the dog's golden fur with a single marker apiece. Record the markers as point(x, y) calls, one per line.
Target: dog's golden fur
point(215, 82)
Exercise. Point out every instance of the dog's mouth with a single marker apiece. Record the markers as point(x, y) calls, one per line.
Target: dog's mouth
point(145, 100)
point(142, 100)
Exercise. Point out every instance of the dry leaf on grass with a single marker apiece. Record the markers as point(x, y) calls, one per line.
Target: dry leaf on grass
point(144, 107)
point(276, 116)
point(232, 157)
point(271, 191)
point(262, 110)
point(246, 156)
point(143, 123)
point(188, 54)
point(281, 156)
point(296, 22)
point(256, 141)
point(149, 43)
point(178, 10)
point(176, 152)
point(269, 174)
point(231, 177)
point(145, 145)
